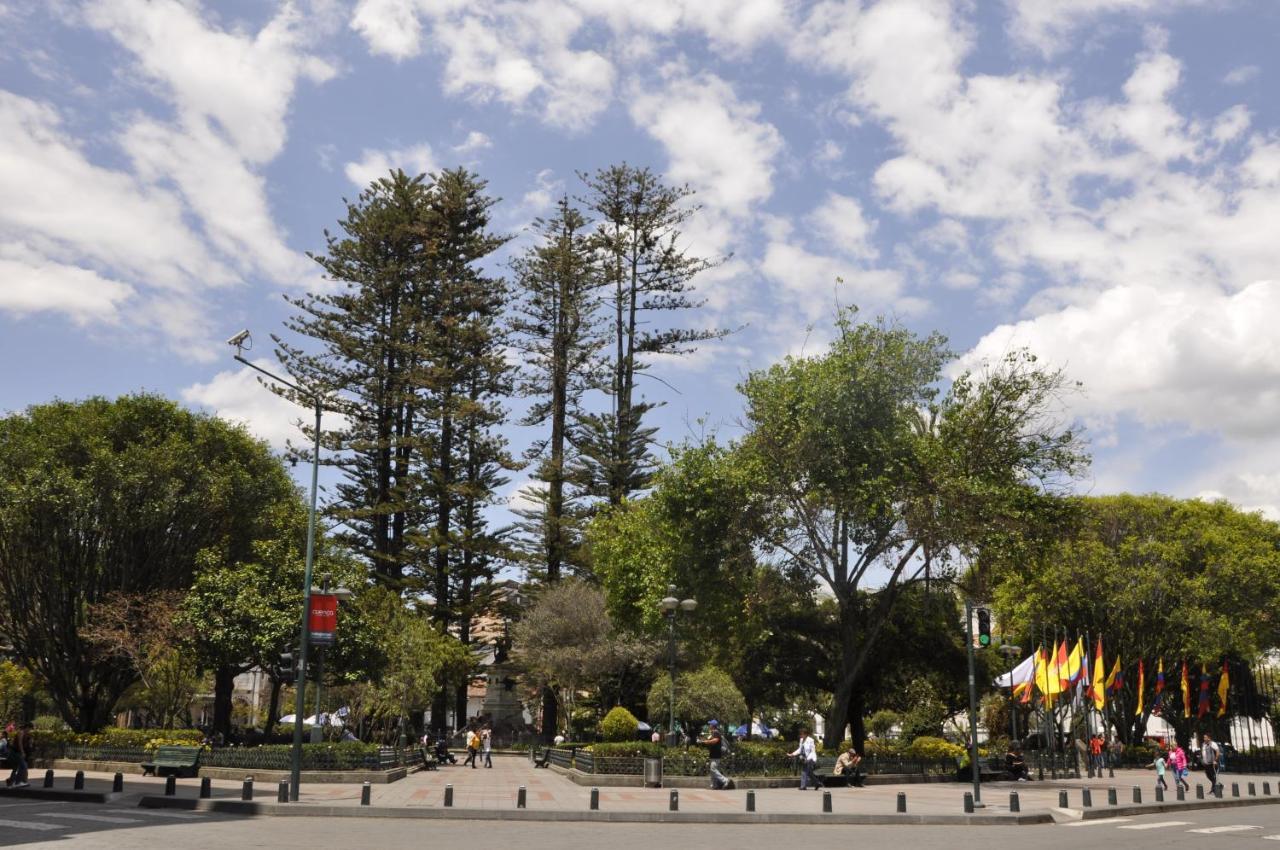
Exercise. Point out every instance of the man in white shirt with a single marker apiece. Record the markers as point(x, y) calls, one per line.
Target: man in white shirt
point(1209, 753)
point(808, 754)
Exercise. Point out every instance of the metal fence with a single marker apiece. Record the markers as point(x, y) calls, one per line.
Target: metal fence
point(695, 763)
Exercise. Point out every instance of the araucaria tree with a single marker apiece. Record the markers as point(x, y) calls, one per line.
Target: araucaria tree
point(649, 276)
point(875, 478)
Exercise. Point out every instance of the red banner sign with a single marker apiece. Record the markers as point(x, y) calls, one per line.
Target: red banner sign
point(323, 621)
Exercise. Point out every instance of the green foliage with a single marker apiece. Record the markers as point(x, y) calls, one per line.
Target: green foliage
point(618, 725)
point(882, 722)
point(702, 695)
point(16, 682)
point(930, 747)
point(101, 496)
point(926, 713)
point(628, 749)
point(114, 736)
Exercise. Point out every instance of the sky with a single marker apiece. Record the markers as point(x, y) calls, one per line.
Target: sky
point(1096, 180)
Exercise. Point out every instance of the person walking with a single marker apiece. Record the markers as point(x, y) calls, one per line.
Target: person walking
point(1209, 754)
point(473, 748)
point(486, 745)
point(714, 742)
point(1160, 765)
point(20, 756)
point(1178, 758)
point(808, 753)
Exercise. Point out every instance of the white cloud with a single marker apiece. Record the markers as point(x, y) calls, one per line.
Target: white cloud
point(841, 221)
point(714, 141)
point(389, 27)
point(32, 284)
point(238, 396)
point(1047, 24)
point(1241, 75)
point(474, 141)
point(373, 164)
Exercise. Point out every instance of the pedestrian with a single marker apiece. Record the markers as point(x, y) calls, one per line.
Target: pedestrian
point(1209, 753)
point(714, 742)
point(486, 745)
point(1160, 765)
point(20, 756)
point(1114, 750)
point(847, 766)
point(656, 737)
point(1095, 752)
point(473, 748)
point(1178, 758)
point(808, 754)
point(1015, 765)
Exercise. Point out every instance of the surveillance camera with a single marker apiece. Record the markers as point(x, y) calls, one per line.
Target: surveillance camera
point(240, 339)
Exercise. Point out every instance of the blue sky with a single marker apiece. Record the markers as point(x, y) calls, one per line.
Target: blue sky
point(1098, 180)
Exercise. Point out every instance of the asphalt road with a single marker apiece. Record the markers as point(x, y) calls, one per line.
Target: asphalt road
point(67, 825)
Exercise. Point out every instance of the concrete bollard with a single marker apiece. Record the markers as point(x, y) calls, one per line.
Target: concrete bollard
point(1014, 805)
point(79, 783)
point(1182, 794)
point(968, 802)
point(1199, 791)
point(1137, 794)
point(595, 799)
point(170, 785)
point(48, 779)
point(1063, 802)
point(751, 801)
point(282, 791)
point(448, 796)
point(522, 797)
point(1159, 794)
point(1112, 799)
point(1253, 791)
point(206, 788)
point(366, 794)
point(1086, 797)
point(674, 804)
point(117, 783)
point(246, 790)
point(826, 802)
point(1235, 789)
point(902, 802)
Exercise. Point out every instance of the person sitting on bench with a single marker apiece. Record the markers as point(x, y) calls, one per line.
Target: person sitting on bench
point(1015, 765)
point(442, 753)
point(847, 765)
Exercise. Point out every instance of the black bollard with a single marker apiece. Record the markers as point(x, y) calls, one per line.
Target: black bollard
point(902, 802)
point(246, 790)
point(1266, 789)
point(366, 794)
point(751, 801)
point(1014, 805)
point(1235, 789)
point(1137, 794)
point(48, 779)
point(1159, 794)
point(170, 785)
point(674, 805)
point(117, 783)
point(1112, 799)
point(595, 799)
point(1086, 797)
point(1253, 792)
point(448, 796)
point(826, 802)
point(1090, 770)
point(1063, 802)
point(1199, 791)
point(1111, 771)
point(968, 802)
point(282, 791)
point(79, 783)
point(206, 788)
point(1182, 794)
point(522, 799)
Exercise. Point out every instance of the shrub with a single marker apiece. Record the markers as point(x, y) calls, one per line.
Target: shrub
point(628, 749)
point(930, 747)
point(882, 722)
point(881, 747)
point(618, 725)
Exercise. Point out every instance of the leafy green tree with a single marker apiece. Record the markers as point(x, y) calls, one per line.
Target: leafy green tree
point(619, 725)
point(115, 496)
point(876, 480)
point(16, 685)
point(1155, 577)
point(701, 695)
point(882, 722)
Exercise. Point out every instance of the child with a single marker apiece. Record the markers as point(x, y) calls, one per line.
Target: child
point(1159, 765)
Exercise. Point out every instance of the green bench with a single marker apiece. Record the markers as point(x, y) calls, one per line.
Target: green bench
point(175, 760)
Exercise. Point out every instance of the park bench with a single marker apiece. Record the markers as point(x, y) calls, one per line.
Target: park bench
point(823, 772)
point(544, 760)
point(175, 760)
point(429, 761)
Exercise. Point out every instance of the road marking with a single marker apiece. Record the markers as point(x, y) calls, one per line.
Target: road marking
point(155, 813)
point(95, 818)
point(1099, 822)
point(1238, 827)
point(29, 824)
point(1158, 824)
point(1271, 837)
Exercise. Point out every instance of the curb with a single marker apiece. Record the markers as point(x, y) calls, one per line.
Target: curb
point(253, 809)
point(1158, 808)
point(61, 795)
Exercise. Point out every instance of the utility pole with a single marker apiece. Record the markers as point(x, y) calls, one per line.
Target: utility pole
point(974, 767)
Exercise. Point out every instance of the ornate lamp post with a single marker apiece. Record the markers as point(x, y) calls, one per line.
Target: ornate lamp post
point(671, 606)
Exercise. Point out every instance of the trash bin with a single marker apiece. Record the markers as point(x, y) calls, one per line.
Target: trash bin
point(653, 773)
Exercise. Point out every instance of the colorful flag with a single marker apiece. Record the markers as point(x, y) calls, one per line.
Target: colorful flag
point(1186, 693)
point(1160, 677)
point(1115, 681)
point(1141, 682)
point(1203, 708)
point(1224, 682)
point(1042, 672)
point(1075, 666)
point(1097, 688)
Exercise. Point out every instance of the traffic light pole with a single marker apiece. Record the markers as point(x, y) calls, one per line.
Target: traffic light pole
point(974, 768)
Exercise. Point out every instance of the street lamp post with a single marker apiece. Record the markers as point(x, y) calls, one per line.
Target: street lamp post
point(1011, 652)
point(342, 594)
point(242, 341)
point(670, 607)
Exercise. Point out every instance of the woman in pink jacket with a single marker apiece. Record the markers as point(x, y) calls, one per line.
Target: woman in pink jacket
point(1178, 759)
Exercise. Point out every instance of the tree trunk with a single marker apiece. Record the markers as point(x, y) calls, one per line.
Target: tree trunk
point(550, 715)
point(439, 707)
point(224, 682)
point(273, 706)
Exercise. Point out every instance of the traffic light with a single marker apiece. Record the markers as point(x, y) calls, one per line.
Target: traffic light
point(288, 662)
point(984, 627)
